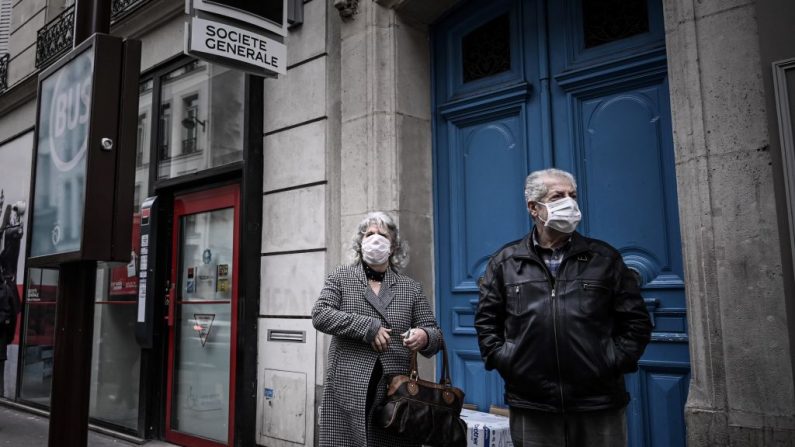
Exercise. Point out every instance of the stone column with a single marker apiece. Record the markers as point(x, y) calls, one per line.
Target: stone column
point(386, 161)
point(741, 392)
point(386, 151)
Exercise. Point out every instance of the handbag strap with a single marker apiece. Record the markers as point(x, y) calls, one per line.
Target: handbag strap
point(445, 366)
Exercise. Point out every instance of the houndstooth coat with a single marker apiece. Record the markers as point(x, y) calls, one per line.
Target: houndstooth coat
point(345, 309)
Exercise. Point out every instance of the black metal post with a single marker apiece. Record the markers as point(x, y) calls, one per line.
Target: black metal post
point(71, 371)
point(91, 16)
point(74, 319)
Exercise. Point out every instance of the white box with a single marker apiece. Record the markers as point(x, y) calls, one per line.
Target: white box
point(486, 429)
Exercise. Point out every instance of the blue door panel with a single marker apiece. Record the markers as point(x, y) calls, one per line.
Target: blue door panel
point(474, 15)
point(488, 157)
point(665, 392)
point(494, 166)
point(622, 135)
point(668, 319)
point(482, 387)
point(602, 113)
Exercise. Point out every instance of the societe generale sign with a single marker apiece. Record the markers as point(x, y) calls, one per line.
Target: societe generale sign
point(231, 42)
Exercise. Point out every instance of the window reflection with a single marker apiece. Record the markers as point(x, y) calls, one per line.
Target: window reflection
point(116, 359)
point(165, 126)
point(39, 336)
point(201, 119)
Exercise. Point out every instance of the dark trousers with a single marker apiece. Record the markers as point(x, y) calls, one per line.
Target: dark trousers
point(605, 428)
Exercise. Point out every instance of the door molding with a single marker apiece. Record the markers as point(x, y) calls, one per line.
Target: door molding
point(221, 197)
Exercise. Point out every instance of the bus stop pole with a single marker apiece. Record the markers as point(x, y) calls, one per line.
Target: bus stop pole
point(71, 381)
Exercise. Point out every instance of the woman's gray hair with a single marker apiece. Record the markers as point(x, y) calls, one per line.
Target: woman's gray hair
point(400, 253)
point(535, 188)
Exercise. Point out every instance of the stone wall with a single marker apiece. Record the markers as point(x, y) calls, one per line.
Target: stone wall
point(27, 17)
point(741, 391)
point(301, 179)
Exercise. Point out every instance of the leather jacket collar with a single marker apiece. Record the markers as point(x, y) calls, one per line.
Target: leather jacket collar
point(577, 246)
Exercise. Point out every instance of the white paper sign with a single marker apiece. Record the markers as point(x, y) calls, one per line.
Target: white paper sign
point(142, 301)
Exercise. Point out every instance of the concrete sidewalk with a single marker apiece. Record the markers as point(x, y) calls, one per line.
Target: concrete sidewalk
point(19, 428)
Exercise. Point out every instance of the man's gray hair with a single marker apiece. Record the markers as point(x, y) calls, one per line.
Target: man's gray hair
point(400, 255)
point(535, 188)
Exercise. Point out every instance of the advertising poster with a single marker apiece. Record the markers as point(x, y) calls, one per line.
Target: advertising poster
point(15, 164)
point(15, 160)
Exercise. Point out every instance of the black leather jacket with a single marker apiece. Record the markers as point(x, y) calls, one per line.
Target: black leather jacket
point(564, 343)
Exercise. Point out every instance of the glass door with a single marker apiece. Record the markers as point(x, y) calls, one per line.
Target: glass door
point(202, 328)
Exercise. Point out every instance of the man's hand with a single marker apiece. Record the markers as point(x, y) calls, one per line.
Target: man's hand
point(381, 341)
point(416, 340)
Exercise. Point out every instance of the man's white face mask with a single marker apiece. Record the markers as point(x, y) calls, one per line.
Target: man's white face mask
point(376, 249)
point(562, 215)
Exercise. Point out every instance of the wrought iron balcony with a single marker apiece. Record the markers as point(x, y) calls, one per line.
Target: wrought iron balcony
point(55, 38)
point(4, 72)
point(165, 152)
point(189, 146)
point(120, 8)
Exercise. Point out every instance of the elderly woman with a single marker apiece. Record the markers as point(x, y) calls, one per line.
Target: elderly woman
point(368, 307)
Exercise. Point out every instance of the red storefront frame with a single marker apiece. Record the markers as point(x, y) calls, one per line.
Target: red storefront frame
point(187, 204)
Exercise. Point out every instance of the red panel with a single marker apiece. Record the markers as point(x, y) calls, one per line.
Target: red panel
point(198, 202)
point(120, 283)
point(18, 331)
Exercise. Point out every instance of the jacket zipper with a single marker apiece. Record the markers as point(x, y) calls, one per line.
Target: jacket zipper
point(555, 323)
point(557, 349)
point(590, 286)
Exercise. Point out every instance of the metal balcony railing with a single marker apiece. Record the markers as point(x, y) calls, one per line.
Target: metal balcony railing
point(4, 72)
point(189, 146)
point(55, 38)
point(120, 8)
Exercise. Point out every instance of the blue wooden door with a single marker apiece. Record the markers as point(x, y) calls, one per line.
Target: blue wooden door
point(521, 85)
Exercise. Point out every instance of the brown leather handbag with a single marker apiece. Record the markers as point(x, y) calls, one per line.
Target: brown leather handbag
point(422, 411)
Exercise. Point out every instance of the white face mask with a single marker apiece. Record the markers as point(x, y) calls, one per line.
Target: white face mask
point(562, 215)
point(376, 249)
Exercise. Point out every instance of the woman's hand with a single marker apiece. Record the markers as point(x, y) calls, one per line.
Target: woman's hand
point(381, 341)
point(416, 340)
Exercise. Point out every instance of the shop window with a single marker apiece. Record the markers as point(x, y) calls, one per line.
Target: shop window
point(116, 357)
point(164, 132)
point(39, 336)
point(606, 21)
point(208, 102)
point(191, 124)
point(486, 50)
point(15, 166)
point(144, 139)
point(140, 141)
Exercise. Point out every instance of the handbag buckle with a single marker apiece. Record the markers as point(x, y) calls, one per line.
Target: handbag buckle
point(414, 376)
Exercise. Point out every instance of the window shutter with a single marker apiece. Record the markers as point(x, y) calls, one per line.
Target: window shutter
point(5, 25)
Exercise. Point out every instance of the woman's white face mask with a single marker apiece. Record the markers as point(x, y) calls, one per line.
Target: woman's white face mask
point(376, 249)
point(562, 215)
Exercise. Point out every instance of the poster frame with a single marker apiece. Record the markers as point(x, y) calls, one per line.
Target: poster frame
point(103, 122)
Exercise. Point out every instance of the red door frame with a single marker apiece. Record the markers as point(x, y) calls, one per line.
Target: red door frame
point(192, 203)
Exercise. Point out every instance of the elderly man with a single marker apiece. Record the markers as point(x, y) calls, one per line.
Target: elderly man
point(562, 320)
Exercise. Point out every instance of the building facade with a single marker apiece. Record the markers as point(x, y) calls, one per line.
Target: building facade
point(673, 115)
